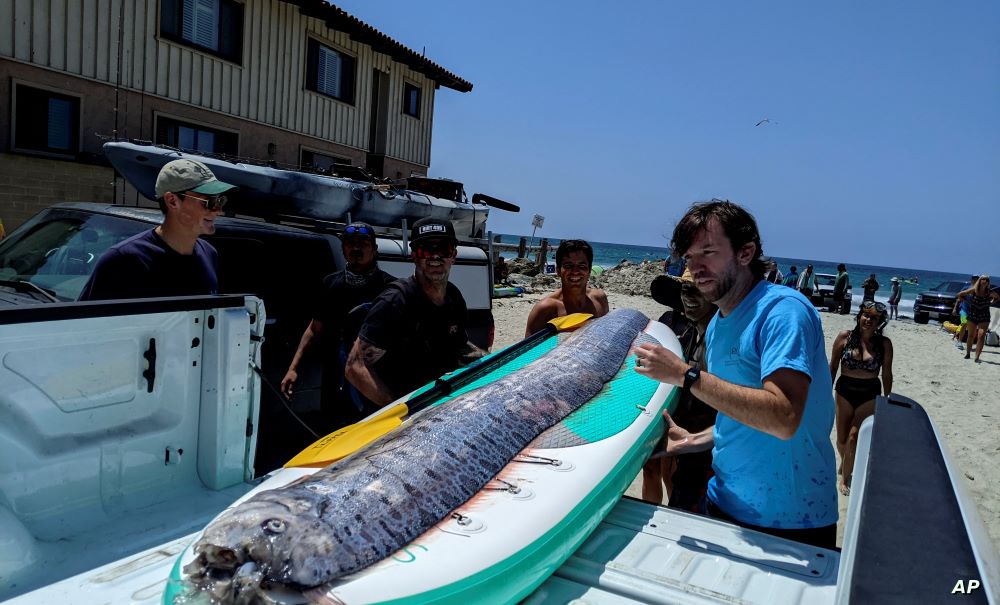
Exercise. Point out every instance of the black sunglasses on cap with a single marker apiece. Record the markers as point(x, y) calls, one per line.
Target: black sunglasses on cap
point(358, 230)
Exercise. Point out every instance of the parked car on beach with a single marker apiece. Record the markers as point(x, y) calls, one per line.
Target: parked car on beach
point(938, 302)
point(823, 295)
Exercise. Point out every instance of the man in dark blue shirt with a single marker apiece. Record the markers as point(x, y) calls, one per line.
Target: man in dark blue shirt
point(171, 259)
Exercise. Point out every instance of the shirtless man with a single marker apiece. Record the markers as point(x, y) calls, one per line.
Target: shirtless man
point(574, 258)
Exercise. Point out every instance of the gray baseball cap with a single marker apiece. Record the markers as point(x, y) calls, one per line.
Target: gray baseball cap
point(188, 175)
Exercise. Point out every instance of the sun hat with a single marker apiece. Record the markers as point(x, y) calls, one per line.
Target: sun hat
point(894, 279)
point(188, 175)
point(429, 228)
point(666, 289)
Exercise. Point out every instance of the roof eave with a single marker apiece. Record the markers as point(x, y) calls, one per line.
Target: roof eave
point(338, 19)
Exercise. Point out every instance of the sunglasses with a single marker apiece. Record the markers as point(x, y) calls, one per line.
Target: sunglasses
point(355, 230)
point(211, 204)
point(429, 249)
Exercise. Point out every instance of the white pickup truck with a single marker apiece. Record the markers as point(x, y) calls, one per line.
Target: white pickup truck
point(126, 426)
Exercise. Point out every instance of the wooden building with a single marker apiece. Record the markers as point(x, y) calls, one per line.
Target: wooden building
point(298, 83)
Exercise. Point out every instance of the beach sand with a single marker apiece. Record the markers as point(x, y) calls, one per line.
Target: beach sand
point(959, 395)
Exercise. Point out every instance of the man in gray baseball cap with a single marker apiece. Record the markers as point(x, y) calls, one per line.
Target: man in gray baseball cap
point(170, 259)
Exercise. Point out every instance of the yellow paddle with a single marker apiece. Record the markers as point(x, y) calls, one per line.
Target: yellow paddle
point(349, 439)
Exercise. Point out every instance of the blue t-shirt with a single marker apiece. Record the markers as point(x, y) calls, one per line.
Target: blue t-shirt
point(760, 479)
point(145, 266)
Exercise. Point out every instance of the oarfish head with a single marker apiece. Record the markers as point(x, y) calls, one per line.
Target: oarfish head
point(276, 538)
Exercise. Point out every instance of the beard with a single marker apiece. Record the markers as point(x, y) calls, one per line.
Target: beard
point(724, 282)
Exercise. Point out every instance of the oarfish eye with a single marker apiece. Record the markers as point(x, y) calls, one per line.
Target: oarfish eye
point(274, 526)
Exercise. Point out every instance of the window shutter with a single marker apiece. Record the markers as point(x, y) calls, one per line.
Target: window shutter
point(201, 22)
point(328, 76)
point(60, 124)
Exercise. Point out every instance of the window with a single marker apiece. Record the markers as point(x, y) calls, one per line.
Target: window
point(214, 26)
point(330, 72)
point(46, 121)
point(321, 162)
point(195, 138)
point(411, 100)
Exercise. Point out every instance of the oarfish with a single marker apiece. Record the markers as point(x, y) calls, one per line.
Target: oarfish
point(363, 508)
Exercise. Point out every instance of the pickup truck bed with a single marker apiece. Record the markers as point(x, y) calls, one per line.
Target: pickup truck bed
point(640, 554)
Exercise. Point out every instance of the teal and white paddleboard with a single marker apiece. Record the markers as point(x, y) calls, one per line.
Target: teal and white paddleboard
point(508, 538)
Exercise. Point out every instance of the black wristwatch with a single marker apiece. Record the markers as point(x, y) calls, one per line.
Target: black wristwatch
point(691, 377)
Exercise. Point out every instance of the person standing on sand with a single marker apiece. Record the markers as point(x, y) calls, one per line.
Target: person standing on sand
point(574, 259)
point(807, 282)
point(895, 293)
point(769, 380)
point(870, 287)
point(979, 298)
point(840, 298)
point(859, 354)
point(773, 275)
point(686, 476)
point(791, 278)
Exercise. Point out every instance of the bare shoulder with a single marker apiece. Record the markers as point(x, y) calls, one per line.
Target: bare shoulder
point(547, 304)
point(600, 299)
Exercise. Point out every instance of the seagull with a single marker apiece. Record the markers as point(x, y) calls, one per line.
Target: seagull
point(764, 121)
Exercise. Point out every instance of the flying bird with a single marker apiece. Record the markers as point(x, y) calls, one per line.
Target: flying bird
point(764, 121)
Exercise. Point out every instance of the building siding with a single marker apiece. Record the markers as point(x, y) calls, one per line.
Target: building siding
point(81, 37)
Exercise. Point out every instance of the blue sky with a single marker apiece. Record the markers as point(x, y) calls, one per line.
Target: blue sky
point(610, 119)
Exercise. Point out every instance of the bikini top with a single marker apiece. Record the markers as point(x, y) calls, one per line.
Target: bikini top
point(872, 365)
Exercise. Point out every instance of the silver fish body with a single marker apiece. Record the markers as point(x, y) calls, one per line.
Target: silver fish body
point(363, 508)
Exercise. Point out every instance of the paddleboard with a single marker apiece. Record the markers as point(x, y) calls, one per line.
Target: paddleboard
point(271, 192)
point(507, 291)
point(507, 539)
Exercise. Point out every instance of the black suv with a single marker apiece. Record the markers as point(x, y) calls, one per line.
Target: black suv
point(50, 258)
point(938, 302)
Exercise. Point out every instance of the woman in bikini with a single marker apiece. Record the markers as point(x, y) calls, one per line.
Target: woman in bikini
point(978, 299)
point(860, 354)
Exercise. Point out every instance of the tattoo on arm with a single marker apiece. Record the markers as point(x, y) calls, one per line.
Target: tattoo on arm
point(360, 373)
point(366, 353)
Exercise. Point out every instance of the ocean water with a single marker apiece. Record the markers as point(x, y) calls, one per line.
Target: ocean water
point(608, 255)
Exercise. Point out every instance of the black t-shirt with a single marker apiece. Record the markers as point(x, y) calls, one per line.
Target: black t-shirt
point(421, 340)
point(144, 266)
point(337, 301)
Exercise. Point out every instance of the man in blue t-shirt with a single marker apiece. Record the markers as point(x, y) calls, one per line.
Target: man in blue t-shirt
point(767, 376)
point(171, 259)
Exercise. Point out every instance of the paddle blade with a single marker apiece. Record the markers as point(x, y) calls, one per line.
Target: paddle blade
point(349, 439)
point(570, 322)
point(482, 198)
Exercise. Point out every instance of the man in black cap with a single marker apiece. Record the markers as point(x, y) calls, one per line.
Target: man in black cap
point(170, 259)
point(416, 329)
point(343, 303)
point(689, 317)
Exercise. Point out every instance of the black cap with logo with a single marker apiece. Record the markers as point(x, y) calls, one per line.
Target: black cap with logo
point(428, 228)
